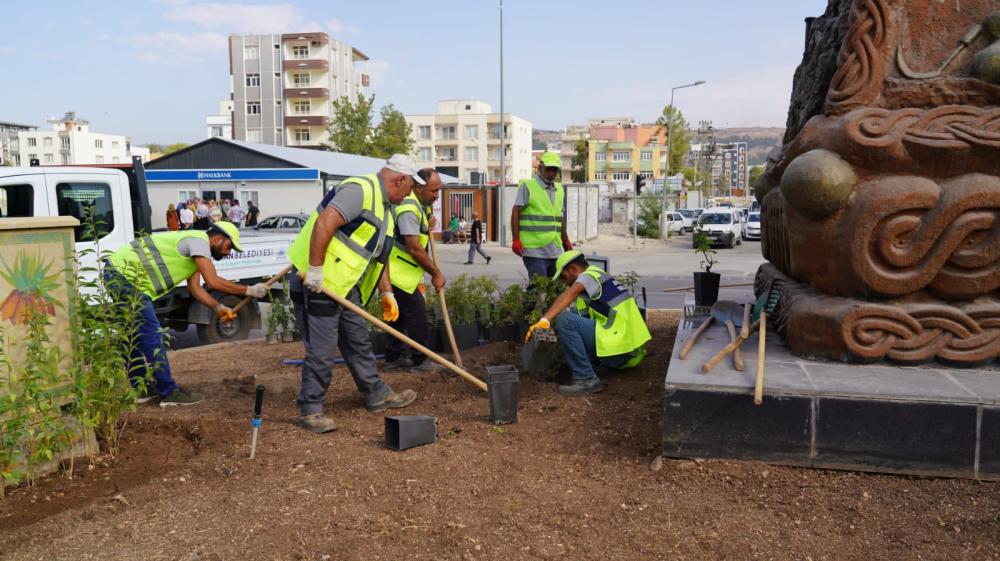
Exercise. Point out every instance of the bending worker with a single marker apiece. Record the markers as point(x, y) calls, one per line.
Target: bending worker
point(152, 266)
point(604, 327)
point(407, 264)
point(538, 219)
point(343, 248)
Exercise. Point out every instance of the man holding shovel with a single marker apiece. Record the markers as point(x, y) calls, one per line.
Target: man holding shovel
point(407, 263)
point(605, 325)
point(343, 248)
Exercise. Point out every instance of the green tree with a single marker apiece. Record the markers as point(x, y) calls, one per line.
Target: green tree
point(755, 173)
point(648, 215)
point(351, 130)
point(679, 140)
point(579, 172)
point(392, 135)
point(165, 149)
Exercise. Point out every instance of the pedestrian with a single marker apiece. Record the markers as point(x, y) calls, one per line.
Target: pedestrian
point(225, 205)
point(408, 262)
point(151, 267)
point(342, 248)
point(187, 216)
point(252, 213)
point(236, 213)
point(538, 219)
point(173, 219)
point(201, 218)
point(453, 229)
point(604, 325)
point(475, 240)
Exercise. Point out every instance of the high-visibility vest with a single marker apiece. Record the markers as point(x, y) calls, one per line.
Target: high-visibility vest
point(619, 327)
point(357, 252)
point(541, 219)
point(404, 271)
point(153, 264)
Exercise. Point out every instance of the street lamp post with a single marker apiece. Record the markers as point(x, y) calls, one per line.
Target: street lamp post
point(503, 147)
point(670, 134)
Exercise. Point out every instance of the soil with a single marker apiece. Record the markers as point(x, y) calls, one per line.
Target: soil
point(574, 478)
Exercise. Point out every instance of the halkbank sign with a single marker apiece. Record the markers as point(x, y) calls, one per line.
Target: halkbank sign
point(285, 174)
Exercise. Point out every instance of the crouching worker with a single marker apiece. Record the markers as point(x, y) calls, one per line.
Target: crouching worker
point(605, 326)
point(151, 267)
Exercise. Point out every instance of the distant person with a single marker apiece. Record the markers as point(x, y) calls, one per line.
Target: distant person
point(236, 213)
point(186, 216)
point(453, 229)
point(462, 225)
point(538, 219)
point(225, 205)
point(173, 219)
point(201, 219)
point(475, 239)
point(215, 215)
point(252, 213)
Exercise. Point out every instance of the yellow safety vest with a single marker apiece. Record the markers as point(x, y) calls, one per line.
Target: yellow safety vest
point(153, 264)
point(619, 327)
point(404, 271)
point(541, 219)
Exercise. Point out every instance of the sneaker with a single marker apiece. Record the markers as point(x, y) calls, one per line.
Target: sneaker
point(147, 393)
point(318, 423)
point(488, 260)
point(583, 387)
point(394, 401)
point(400, 363)
point(180, 396)
point(426, 367)
point(467, 263)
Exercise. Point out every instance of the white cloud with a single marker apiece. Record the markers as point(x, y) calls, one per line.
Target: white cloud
point(238, 18)
point(337, 26)
point(170, 46)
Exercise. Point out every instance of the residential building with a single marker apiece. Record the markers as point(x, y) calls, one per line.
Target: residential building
point(567, 152)
point(618, 152)
point(8, 142)
point(70, 142)
point(220, 125)
point(283, 86)
point(141, 151)
point(464, 138)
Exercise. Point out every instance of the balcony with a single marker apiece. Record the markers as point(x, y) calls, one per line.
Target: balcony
point(300, 93)
point(621, 165)
point(305, 64)
point(306, 121)
point(322, 38)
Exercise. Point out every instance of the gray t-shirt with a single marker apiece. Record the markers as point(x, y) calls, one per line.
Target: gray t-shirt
point(349, 201)
point(552, 250)
point(590, 286)
point(194, 247)
point(408, 224)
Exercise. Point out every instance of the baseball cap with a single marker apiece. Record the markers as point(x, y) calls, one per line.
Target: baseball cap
point(404, 164)
point(230, 231)
point(565, 259)
point(550, 160)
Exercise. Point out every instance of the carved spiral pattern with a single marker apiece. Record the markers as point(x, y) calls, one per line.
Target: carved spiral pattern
point(860, 68)
point(949, 126)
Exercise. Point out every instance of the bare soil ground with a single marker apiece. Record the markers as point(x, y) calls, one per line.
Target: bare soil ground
point(572, 479)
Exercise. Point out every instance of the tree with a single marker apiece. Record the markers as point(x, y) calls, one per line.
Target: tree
point(351, 128)
point(392, 135)
point(648, 216)
point(679, 141)
point(579, 172)
point(755, 173)
point(166, 148)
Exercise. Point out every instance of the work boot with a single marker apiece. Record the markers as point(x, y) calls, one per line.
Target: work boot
point(180, 396)
point(400, 363)
point(394, 401)
point(426, 367)
point(318, 423)
point(583, 387)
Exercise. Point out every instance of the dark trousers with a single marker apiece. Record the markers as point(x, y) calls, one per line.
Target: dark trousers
point(473, 249)
point(539, 266)
point(412, 322)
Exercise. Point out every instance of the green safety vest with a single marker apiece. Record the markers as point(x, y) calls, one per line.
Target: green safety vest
point(357, 251)
point(541, 220)
point(153, 264)
point(619, 326)
point(404, 271)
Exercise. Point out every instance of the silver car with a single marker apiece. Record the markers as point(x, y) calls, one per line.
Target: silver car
point(752, 231)
point(283, 223)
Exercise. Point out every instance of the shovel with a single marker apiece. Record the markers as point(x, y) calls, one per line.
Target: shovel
point(731, 314)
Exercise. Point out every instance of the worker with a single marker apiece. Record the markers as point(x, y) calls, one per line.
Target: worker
point(151, 267)
point(343, 248)
point(605, 325)
point(538, 219)
point(408, 262)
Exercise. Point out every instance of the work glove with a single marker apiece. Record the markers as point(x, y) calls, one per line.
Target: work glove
point(517, 247)
point(314, 278)
point(567, 245)
point(258, 290)
point(390, 309)
point(226, 314)
point(540, 324)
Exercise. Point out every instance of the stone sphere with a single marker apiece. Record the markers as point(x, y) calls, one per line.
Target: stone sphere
point(818, 184)
point(992, 25)
point(986, 64)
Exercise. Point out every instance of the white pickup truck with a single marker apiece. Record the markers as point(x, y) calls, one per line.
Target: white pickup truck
point(117, 196)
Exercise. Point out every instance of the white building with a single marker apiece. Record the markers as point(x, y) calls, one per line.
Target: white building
point(567, 148)
point(464, 138)
point(283, 86)
point(141, 151)
point(9, 143)
point(221, 124)
point(70, 142)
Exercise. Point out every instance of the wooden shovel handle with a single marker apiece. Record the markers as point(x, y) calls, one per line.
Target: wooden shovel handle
point(690, 344)
point(758, 386)
point(737, 355)
point(270, 282)
point(444, 311)
point(715, 360)
point(745, 332)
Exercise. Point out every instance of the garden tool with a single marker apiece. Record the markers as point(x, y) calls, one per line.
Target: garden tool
point(444, 310)
point(270, 282)
point(690, 344)
point(258, 404)
point(730, 313)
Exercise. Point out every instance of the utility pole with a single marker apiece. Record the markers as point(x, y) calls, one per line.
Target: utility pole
point(670, 133)
point(503, 147)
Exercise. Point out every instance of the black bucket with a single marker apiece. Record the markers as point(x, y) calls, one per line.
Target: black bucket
point(501, 381)
point(407, 431)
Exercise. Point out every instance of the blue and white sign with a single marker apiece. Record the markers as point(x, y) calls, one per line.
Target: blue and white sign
point(286, 174)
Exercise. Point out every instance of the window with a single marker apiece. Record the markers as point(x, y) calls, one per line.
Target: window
point(114, 144)
point(65, 159)
point(216, 131)
point(621, 176)
point(65, 143)
point(99, 159)
point(32, 141)
point(247, 196)
point(302, 106)
point(494, 153)
point(48, 158)
point(448, 133)
point(600, 176)
point(253, 135)
point(47, 142)
point(645, 174)
point(495, 132)
point(600, 156)
point(646, 156)
point(32, 157)
point(447, 154)
point(472, 132)
point(253, 80)
point(302, 135)
point(425, 133)
point(300, 51)
point(16, 201)
point(471, 153)
point(301, 79)
point(424, 154)
point(250, 52)
point(621, 156)
point(268, 223)
point(78, 199)
point(253, 108)
point(98, 144)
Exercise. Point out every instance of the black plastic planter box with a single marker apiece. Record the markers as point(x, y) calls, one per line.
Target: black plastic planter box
point(539, 353)
point(501, 333)
point(407, 431)
point(502, 384)
point(466, 335)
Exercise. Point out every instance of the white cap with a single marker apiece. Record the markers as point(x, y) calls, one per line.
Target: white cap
point(404, 164)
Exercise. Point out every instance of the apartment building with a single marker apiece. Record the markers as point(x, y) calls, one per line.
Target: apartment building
point(567, 148)
point(70, 142)
point(283, 86)
point(9, 143)
point(619, 150)
point(464, 139)
point(220, 125)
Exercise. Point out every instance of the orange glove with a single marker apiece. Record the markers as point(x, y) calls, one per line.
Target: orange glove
point(226, 314)
point(540, 324)
point(390, 309)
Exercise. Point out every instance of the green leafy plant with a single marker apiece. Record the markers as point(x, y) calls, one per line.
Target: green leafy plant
point(510, 305)
point(628, 279)
point(281, 317)
point(470, 297)
point(541, 293)
point(703, 245)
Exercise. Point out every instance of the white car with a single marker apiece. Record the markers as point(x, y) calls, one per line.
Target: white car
point(753, 226)
point(677, 223)
point(722, 225)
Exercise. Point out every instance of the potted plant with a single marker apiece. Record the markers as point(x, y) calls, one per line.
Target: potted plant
point(462, 311)
point(706, 283)
point(376, 335)
point(507, 312)
point(630, 280)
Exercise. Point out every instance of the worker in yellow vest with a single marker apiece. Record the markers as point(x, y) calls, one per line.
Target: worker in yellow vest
point(605, 325)
point(407, 264)
point(538, 220)
point(154, 265)
point(344, 248)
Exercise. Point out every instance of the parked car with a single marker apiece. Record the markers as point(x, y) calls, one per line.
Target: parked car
point(753, 227)
point(722, 225)
point(676, 222)
point(289, 223)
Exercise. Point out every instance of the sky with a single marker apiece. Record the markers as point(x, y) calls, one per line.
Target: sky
point(154, 69)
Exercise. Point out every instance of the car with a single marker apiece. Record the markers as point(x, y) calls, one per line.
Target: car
point(281, 223)
point(753, 227)
point(676, 222)
point(722, 225)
